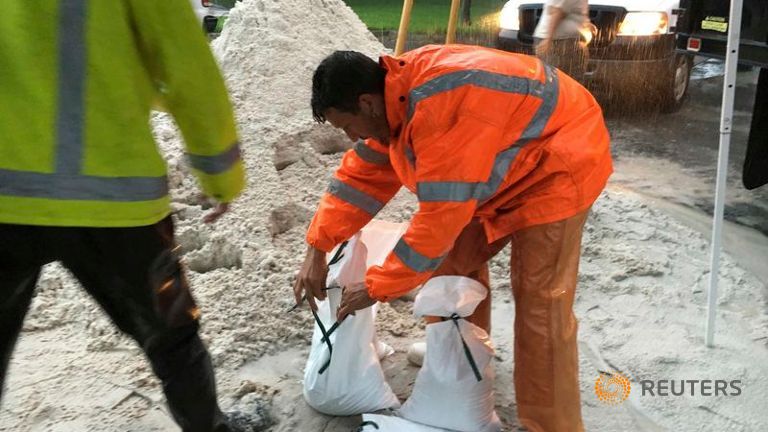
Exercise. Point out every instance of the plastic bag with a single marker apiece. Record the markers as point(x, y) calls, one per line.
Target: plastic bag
point(454, 388)
point(346, 378)
point(382, 423)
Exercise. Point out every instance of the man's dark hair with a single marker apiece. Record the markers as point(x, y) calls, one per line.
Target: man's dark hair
point(340, 80)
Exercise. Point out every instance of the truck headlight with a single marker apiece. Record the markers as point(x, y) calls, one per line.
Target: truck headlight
point(644, 24)
point(509, 18)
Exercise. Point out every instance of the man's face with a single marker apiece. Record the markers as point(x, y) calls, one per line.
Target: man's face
point(370, 121)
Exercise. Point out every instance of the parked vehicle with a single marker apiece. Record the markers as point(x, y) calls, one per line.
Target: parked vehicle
point(632, 50)
point(703, 30)
point(212, 14)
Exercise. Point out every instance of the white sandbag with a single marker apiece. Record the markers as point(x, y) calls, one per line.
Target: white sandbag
point(353, 381)
point(350, 265)
point(380, 237)
point(382, 423)
point(447, 392)
point(382, 350)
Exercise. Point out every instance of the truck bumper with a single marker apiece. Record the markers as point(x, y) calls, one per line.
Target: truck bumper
point(626, 61)
point(628, 73)
point(508, 41)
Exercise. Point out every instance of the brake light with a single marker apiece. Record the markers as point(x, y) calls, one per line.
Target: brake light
point(694, 44)
point(206, 3)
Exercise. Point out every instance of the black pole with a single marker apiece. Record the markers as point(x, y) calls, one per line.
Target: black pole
point(756, 161)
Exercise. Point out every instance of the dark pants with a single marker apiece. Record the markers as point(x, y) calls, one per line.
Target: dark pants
point(135, 276)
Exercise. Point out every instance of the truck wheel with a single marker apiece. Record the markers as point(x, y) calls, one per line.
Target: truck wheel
point(674, 89)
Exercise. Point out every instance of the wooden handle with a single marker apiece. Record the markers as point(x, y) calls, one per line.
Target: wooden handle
point(450, 35)
point(402, 31)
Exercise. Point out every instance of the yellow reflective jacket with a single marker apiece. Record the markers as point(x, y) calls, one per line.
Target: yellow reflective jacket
point(78, 79)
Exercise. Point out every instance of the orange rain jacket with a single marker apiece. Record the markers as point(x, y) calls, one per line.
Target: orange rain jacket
point(475, 132)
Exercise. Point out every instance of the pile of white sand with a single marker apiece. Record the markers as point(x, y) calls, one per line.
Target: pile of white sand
point(267, 52)
point(640, 300)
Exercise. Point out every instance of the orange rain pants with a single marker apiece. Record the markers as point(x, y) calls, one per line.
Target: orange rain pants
point(544, 268)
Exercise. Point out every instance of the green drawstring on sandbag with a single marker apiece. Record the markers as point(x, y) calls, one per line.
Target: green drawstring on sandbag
point(367, 423)
point(327, 333)
point(455, 318)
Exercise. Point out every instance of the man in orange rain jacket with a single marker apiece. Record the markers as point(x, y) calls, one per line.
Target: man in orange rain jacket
point(499, 148)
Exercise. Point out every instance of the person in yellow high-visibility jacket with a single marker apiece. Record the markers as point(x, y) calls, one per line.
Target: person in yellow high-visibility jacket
point(82, 182)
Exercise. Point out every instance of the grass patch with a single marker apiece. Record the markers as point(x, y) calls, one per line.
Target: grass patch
point(427, 16)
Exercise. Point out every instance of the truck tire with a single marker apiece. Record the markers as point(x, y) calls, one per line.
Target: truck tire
point(674, 89)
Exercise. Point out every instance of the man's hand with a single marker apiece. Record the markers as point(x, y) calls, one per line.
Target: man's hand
point(557, 17)
point(216, 213)
point(310, 281)
point(543, 47)
point(353, 298)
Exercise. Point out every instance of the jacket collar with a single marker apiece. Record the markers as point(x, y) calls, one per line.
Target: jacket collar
point(396, 90)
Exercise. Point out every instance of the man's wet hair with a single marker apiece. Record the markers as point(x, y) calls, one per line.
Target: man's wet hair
point(341, 78)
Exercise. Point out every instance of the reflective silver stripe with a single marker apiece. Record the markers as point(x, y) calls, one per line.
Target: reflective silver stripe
point(370, 155)
point(446, 191)
point(416, 261)
point(465, 191)
point(80, 187)
point(71, 86)
point(479, 78)
point(410, 156)
point(546, 109)
point(216, 164)
point(355, 197)
point(500, 169)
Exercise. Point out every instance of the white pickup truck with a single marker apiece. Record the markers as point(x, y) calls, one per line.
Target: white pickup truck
point(632, 52)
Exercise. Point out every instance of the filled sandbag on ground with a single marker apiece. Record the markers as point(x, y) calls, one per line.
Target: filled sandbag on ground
point(382, 423)
point(343, 375)
point(454, 388)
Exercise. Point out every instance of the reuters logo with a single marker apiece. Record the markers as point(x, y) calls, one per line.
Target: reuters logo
point(612, 388)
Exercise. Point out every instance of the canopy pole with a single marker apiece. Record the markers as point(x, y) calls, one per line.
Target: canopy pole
point(726, 125)
point(453, 18)
point(402, 31)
